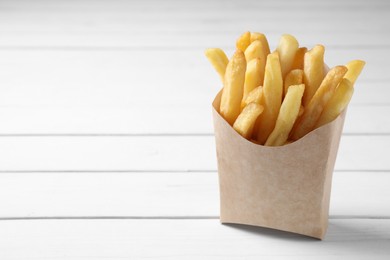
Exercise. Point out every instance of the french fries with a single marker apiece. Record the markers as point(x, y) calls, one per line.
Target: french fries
point(287, 49)
point(264, 42)
point(314, 109)
point(255, 95)
point(294, 77)
point(354, 67)
point(254, 76)
point(232, 92)
point(272, 96)
point(301, 110)
point(276, 97)
point(245, 121)
point(218, 59)
point(287, 115)
point(337, 103)
point(243, 41)
point(255, 50)
point(299, 58)
point(313, 72)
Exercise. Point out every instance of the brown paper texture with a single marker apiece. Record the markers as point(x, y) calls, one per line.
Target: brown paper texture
point(285, 187)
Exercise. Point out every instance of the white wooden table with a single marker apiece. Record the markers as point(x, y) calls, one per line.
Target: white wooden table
point(106, 140)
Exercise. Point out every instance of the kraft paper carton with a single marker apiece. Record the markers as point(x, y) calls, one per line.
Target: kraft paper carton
point(286, 187)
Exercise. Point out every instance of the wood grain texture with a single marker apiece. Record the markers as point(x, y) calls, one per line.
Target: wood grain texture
point(145, 92)
point(187, 239)
point(105, 117)
point(157, 153)
point(187, 24)
point(162, 195)
point(154, 120)
point(135, 77)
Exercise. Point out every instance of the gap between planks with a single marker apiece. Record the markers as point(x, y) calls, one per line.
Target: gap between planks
point(162, 217)
point(153, 171)
point(162, 48)
point(144, 134)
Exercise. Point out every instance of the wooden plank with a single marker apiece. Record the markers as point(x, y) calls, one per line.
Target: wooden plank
point(187, 239)
point(114, 92)
point(367, 120)
point(156, 153)
point(171, 194)
point(183, 39)
point(170, 5)
point(154, 120)
point(183, 23)
point(125, 77)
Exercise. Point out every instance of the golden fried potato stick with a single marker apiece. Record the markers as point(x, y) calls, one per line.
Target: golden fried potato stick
point(320, 99)
point(301, 110)
point(337, 103)
point(243, 41)
point(246, 120)
point(256, 95)
point(255, 71)
point(287, 115)
point(255, 50)
point(264, 42)
point(299, 58)
point(218, 59)
point(354, 69)
point(287, 48)
point(294, 77)
point(254, 76)
point(272, 98)
point(233, 88)
point(313, 72)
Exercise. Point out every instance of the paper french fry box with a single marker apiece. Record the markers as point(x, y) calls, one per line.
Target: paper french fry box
point(285, 187)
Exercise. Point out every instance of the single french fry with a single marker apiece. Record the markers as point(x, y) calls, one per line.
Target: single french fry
point(254, 76)
point(255, 50)
point(337, 103)
point(301, 110)
point(272, 98)
point(322, 96)
point(243, 41)
point(287, 115)
point(299, 58)
point(233, 87)
point(313, 72)
point(218, 59)
point(287, 48)
point(264, 42)
point(246, 120)
point(294, 77)
point(354, 69)
point(255, 95)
